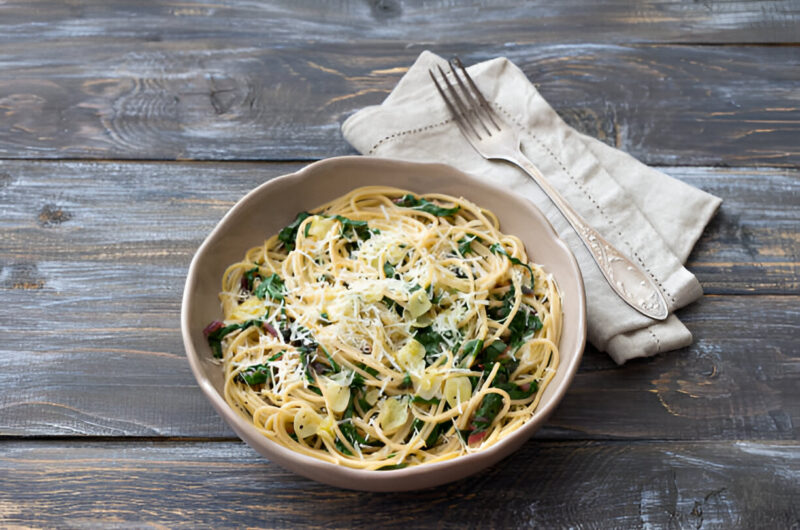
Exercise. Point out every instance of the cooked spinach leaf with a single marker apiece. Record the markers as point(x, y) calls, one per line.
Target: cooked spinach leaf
point(488, 409)
point(388, 269)
point(410, 201)
point(516, 392)
point(288, 234)
point(432, 341)
point(215, 337)
point(272, 285)
point(257, 373)
point(351, 227)
point(497, 248)
point(418, 400)
point(465, 244)
point(249, 277)
point(522, 327)
point(469, 352)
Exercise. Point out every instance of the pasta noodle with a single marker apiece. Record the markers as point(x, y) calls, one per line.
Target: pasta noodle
point(387, 329)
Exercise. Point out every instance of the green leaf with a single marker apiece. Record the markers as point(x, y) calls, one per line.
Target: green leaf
point(433, 297)
point(495, 354)
point(433, 437)
point(388, 302)
point(470, 351)
point(516, 392)
point(272, 285)
point(494, 350)
point(250, 276)
point(334, 366)
point(418, 400)
point(406, 382)
point(371, 371)
point(351, 227)
point(341, 447)
point(363, 403)
point(465, 244)
point(288, 234)
point(432, 341)
point(487, 411)
point(501, 313)
point(497, 248)
point(258, 373)
point(304, 362)
point(215, 338)
point(522, 327)
point(388, 269)
point(410, 201)
point(254, 375)
point(357, 384)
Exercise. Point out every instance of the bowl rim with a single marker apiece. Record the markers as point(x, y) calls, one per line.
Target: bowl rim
point(353, 478)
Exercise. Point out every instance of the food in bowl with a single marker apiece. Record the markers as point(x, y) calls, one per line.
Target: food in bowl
point(387, 329)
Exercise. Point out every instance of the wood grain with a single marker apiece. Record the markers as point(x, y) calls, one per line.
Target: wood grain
point(101, 422)
point(545, 484)
point(124, 374)
point(93, 216)
point(137, 83)
point(78, 237)
point(610, 21)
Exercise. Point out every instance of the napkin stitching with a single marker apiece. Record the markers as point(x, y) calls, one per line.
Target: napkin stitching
point(588, 195)
point(397, 135)
point(658, 342)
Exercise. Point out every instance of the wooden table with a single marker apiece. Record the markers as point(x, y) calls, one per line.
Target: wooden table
point(127, 129)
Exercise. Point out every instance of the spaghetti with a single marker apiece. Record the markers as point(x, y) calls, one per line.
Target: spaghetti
point(386, 329)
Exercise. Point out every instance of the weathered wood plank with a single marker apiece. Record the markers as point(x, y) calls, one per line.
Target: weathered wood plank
point(102, 214)
point(610, 21)
point(753, 243)
point(146, 90)
point(93, 258)
point(121, 372)
point(545, 484)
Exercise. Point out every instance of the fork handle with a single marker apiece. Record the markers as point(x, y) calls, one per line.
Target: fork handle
point(625, 276)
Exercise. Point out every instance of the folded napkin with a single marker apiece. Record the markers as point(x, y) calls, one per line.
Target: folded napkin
point(640, 210)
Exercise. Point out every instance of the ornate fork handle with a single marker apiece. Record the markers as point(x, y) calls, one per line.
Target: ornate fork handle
point(624, 276)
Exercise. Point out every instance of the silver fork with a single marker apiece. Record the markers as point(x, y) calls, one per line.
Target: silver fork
point(495, 139)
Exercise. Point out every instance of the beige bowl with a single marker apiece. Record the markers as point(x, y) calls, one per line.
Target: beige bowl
point(265, 210)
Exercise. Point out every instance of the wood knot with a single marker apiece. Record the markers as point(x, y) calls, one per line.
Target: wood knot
point(21, 276)
point(52, 215)
point(385, 9)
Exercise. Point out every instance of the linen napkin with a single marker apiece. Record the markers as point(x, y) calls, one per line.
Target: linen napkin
point(643, 212)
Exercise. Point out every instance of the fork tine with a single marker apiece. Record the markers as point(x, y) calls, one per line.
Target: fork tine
point(470, 105)
point(475, 92)
point(453, 110)
point(460, 113)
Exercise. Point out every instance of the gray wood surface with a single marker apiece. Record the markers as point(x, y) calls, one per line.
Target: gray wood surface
point(94, 216)
point(199, 81)
point(545, 484)
point(304, 21)
point(121, 235)
point(128, 129)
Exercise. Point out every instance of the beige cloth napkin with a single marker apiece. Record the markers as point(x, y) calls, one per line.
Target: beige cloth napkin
point(637, 208)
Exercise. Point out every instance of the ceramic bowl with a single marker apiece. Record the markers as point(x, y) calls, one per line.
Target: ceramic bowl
point(266, 209)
